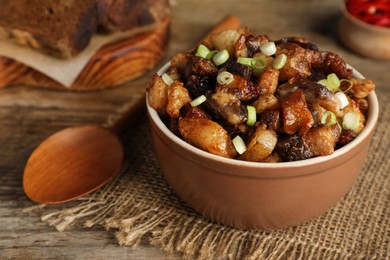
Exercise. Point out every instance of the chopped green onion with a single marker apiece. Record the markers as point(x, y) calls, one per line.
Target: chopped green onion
point(221, 57)
point(342, 99)
point(351, 121)
point(328, 118)
point(323, 82)
point(349, 82)
point(255, 63)
point(251, 115)
point(197, 101)
point(245, 61)
point(333, 82)
point(225, 78)
point(202, 51)
point(239, 144)
point(167, 79)
point(258, 64)
point(268, 48)
point(279, 61)
point(211, 54)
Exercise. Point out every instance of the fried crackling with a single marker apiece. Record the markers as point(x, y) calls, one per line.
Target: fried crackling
point(317, 94)
point(158, 94)
point(297, 63)
point(247, 45)
point(268, 81)
point(242, 88)
point(300, 61)
point(238, 69)
point(261, 144)
point(225, 104)
point(322, 139)
point(225, 40)
point(333, 63)
point(189, 111)
point(295, 113)
point(207, 135)
point(317, 111)
point(182, 62)
point(268, 101)
point(273, 158)
point(361, 87)
point(203, 67)
point(178, 97)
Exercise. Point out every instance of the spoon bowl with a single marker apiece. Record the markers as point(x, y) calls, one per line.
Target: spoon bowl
point(72, 163)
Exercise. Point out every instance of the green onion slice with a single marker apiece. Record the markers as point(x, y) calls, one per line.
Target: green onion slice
point(167, 79)
point(225, 78)
point(202, 51)
point(211, 54)
point(239, 144)
point(251, 115)
point(245, 61)
point(197, 101)
point(351, 121)
point(221, 57)
point(279, 61)
point(342, 99)
point(349, 82)
point(328, 118)
point(268, 48)
point(333, 82)
point(258, 64)
point(255, 63)
point(323, 82)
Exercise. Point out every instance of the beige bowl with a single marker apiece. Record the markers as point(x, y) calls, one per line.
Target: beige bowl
point(363, 38)
point(256, 195)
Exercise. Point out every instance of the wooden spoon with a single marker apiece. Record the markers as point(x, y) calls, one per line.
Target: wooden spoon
point(78, 160)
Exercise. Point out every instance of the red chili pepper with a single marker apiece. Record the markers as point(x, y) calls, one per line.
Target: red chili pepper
point(375, 12)
point(380, 21)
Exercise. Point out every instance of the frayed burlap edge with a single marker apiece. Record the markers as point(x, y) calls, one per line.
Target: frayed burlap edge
point(139, 204)
point(190, 235)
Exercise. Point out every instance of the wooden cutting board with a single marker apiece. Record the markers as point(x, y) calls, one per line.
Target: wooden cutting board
point(110, 66)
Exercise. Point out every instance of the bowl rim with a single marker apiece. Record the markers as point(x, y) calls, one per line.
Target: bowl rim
point(353, 19)
point(372, 118)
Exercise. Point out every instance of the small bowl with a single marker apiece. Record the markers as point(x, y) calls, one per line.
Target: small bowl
point(253, 195)
point(363, 38)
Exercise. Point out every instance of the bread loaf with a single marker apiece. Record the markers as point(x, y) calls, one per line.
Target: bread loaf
point(63, 28)
point(58, 27)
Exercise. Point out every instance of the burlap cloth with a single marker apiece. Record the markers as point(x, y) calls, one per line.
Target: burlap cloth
point(139, 204)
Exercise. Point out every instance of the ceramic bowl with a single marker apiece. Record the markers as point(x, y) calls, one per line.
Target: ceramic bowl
point(253, 195)
point(363, 38)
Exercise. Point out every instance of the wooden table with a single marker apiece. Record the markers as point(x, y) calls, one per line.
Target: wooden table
point(29, 115)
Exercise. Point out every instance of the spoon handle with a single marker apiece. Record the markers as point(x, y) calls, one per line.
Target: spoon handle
point(130, 112)
point(229, 22)
point(126, 115)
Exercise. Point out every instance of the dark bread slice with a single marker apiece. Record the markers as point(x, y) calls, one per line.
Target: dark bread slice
point(121, 15)
point(63, 28)
point(58, 27)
